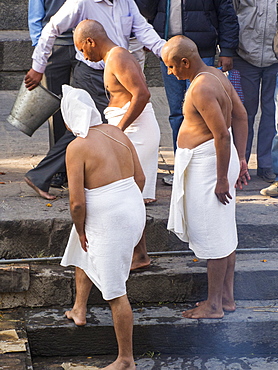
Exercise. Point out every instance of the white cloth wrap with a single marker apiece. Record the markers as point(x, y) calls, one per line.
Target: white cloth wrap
point(79, 110)
point(115, 220)
point(196, 215)
point(144, 133)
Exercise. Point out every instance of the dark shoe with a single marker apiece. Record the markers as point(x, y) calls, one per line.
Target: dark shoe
point(266, 174)
point(58, 180)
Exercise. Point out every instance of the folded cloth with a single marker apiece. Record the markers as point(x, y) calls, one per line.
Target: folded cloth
point(79, 111)
point(144, 133)
point(196, 215)
point(115, 220)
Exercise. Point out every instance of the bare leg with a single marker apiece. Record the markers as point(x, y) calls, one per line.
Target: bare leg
point(43, 194)
point(140, 255)
point(123, 325)
point(83, 288)
point(228, 302)
point(212, 307)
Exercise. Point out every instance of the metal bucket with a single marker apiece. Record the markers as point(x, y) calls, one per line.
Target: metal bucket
point(32, 108)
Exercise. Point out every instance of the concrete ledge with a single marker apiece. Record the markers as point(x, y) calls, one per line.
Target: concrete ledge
point(47, 285)
point(162, 329)
point(14, 278)
point(168, 279)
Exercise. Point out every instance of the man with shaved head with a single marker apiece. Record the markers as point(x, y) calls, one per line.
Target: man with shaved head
point(209, 164)
point(129, 107)
point(119, 18)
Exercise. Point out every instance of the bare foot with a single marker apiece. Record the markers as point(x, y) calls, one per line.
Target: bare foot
point(121, 365)
point(43, 194)
point(204, 311)
point(149, 201)
point(227, 306)
point(78, 318)
point(140, 264)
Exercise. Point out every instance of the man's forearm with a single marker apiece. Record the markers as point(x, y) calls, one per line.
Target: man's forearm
point(136, 107)
point(78, 217)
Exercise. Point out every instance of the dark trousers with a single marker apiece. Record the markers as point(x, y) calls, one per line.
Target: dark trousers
point(90, 80)
point(58, 71)
point(258, 85)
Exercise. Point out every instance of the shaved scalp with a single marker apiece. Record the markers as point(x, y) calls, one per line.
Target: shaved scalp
point(179, 47)
point(89, 28)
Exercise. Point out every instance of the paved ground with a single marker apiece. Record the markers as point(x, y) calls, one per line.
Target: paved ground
point(153, 361)
point(19, 153)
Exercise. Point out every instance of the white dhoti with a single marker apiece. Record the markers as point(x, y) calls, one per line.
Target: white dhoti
point(144, 133)
point(196, 215)
point(115, 220)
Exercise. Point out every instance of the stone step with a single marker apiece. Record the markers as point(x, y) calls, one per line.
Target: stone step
point(176, 279)
point(30, 228)
point(14, 347)
point(252, 328)
point(155, 361)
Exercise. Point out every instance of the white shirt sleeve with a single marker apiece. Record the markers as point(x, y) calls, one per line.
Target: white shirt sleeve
point(68, 16)
point(145, 32)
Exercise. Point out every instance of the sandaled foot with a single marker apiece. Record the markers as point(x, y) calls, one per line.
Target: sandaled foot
point(43, 194)
point(78, 318)
point(121, 365)
point(148, 201)
point(203, 311)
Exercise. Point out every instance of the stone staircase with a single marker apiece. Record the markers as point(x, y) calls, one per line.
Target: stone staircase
point(16, 48)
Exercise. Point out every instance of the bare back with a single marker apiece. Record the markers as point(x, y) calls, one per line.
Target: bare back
point(207, 108)
point(122, 74)
point(104, 156)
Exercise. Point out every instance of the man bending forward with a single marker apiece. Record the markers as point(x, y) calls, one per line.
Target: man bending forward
point(209, 162)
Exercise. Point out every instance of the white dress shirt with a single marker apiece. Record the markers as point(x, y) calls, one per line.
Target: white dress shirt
point(119, 19)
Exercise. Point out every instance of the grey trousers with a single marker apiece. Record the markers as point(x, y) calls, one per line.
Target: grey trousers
point(90, 80)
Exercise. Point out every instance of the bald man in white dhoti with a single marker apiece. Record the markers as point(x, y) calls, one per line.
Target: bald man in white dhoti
point(209, 162)
point(105, 182)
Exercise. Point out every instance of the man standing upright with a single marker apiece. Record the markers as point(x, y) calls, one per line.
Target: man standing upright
point(59, 67)
point(258, 67)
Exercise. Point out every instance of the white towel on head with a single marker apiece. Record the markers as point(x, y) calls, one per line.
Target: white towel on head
point(79, 110)
point(196, 215)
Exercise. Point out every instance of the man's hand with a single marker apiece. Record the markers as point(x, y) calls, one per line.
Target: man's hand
point(226, 63)
point(222, 191)
point(32, 79)
point(84, 242)
point(243, 174)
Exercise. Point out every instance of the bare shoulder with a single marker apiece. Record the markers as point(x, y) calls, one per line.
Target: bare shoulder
point(210, 84)
point(76, 146)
